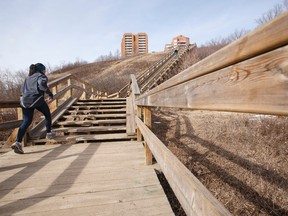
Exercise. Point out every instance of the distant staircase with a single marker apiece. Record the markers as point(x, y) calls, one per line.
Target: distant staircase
point(161, 71)
point(100, 120)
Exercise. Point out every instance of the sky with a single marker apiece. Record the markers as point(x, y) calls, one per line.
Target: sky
point(57, 32)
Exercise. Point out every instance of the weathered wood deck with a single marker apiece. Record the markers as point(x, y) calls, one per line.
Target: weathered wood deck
point(81, 179)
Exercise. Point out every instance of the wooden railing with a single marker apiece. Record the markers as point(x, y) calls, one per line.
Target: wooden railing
point(249, 75)
point(126, 89)
point(166, 71)
point(150, 77)
point(66, 91)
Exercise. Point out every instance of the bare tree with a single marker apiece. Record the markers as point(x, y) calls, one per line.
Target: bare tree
point(285, 4)
point(272, 13)
point(236, 35)
point(10, 84)
point(109, 57)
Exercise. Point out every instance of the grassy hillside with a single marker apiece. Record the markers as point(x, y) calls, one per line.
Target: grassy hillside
point(111, 76)
point(241, 158)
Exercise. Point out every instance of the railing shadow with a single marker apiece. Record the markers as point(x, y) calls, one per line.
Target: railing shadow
point(80, 163)
point(248, 192)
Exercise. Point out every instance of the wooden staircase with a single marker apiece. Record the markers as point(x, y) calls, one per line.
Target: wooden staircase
point(99, 120)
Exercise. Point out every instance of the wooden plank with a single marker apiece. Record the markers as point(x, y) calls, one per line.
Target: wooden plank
point(77, 138)
point(143, 207)
point(62, 92)
point(83, 183)
point(40, 128)
point(95, 116)
point(101, 103)
point(98, 107)
point(10, 125)
point(104, 99)
point(134, 85)
point(191, 193)
point(106, 183)
point(93, 122)
point(148, 122)
point(59, 80)
point(90, 129)
point(89, 198)
point(274, 33)
point(258, 85)
point(163, 69)
point(130, 117)
point(10, 104)
point(95, 111)
point(139, 115)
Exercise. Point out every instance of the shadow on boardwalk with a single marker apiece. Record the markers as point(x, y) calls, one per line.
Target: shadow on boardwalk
point(31, 168)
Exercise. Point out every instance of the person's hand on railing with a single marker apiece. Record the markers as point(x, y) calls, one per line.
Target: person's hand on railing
point(49, 100)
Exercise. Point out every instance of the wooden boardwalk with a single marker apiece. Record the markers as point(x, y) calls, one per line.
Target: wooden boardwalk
point(81, 179)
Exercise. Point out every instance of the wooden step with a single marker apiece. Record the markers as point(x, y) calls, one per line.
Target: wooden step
point(39, 130)
point(100, 103)
point(95, 111)
point(98, 107)
point(90, 129)
point(91, 138)
point(95, 116)
point(86, 121)
point(104, 99)
point(92, 122)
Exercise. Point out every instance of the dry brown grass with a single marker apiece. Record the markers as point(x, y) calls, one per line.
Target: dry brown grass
point(111, 76)
point(241, 158)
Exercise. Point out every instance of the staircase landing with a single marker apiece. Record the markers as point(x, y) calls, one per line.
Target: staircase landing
point(81, 179)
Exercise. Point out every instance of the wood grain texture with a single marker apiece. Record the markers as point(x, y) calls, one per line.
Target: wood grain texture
point(258, 85)
point(87, 179)
point(266, 38)
point(130, 117)
point(194, 198)
point(134, 85)
point(10, 124)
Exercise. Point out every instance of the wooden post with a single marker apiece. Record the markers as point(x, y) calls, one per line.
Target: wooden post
point(19, 113)
point(139, 114)
point(97, 94)
point(54, 104)
point(12, 138)
point(92, 93)
point(148, 123)
point(130, 117)
point(70, 91)
point(68, 94)
point(83, 96)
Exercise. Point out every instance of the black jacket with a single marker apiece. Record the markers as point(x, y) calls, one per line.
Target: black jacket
point(33, 90)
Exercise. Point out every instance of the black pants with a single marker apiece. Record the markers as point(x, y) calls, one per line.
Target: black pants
point(28, 117)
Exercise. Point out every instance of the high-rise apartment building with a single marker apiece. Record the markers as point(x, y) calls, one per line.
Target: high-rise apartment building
point(134, 44)
point(177, 41)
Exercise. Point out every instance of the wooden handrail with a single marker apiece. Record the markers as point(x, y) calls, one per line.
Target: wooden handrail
point(246, 76)
point(274, 33)
point(10, 125)
point(258, 85)
point(10, 104)
point(255, 85)
point(62, 92)
point(58, 94)
point(59, 80)
point(134, 85)
point(194, 198)
point(140, 78)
